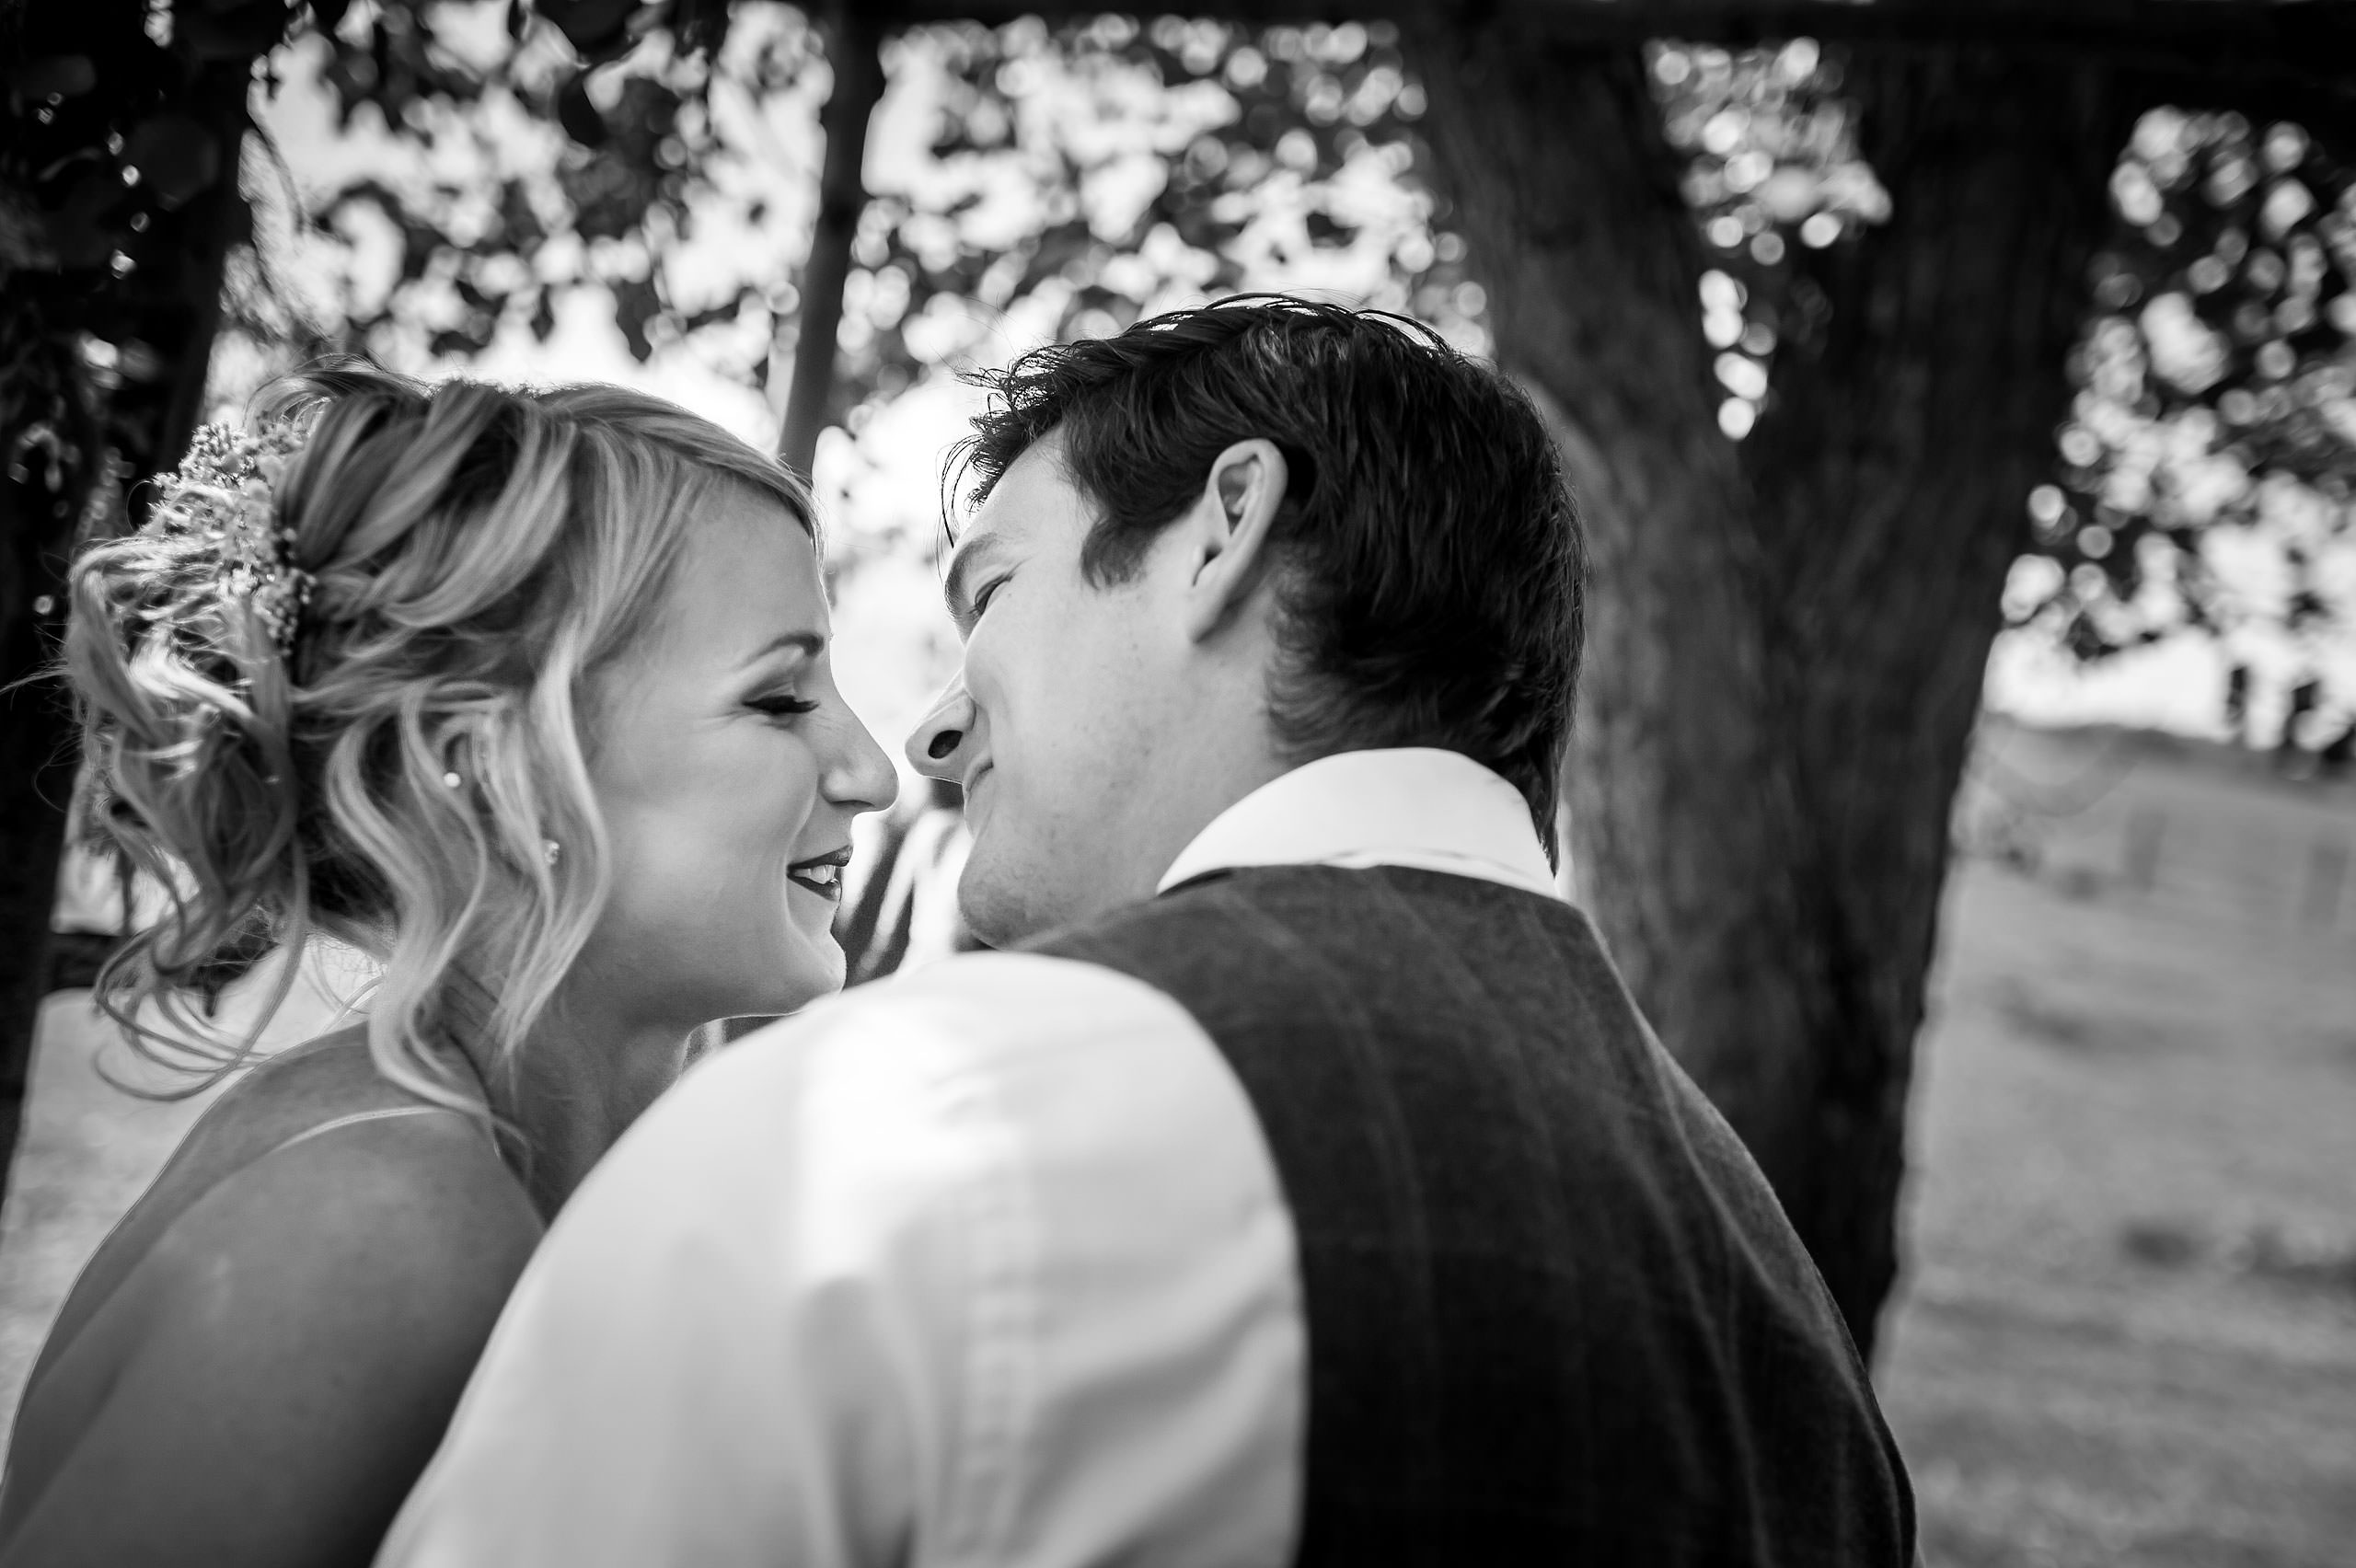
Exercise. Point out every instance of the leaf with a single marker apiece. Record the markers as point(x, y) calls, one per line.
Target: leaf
point(176, 159)
point(589, 25)
point(1324, 230)
point(83, 232)
point(609, 199)
point(55, 77)
point(519, 225)
point(228, 29)
point(636, 304)
point(701, 25)
point(24, 239)
point(579, 116)
point(727, 310)
point(135, 360)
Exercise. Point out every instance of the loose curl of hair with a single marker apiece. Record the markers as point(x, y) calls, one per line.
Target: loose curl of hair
point(477, 552)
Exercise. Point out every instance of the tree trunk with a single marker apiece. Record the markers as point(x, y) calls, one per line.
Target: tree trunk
point(39, 506)
point(1891, 475)
point(1785, 637)
point(851, 45)
point(63, 427)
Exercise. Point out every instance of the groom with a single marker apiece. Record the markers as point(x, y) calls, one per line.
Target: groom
point(1304, 1187)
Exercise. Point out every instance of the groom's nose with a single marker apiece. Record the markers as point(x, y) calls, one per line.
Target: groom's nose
point(936, 748)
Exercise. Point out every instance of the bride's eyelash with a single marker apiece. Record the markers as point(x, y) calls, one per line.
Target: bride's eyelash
point(781, 707)
point(988, 592)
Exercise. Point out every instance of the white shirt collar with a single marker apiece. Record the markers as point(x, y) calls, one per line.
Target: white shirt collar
point(1437, 811)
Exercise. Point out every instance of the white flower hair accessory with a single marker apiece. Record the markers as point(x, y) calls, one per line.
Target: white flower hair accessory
point(223, 495)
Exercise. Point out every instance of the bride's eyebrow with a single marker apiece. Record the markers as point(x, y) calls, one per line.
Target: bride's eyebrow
point(811, 644)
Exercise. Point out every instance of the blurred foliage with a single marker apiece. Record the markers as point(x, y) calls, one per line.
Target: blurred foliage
point(108, 180)
point(1070, 178)
point(1143, 168)
point(502, 167)
point(2210, 466)
point(1082, 173)
point(2206, 481)
point(1079, 175)
point(1774, 162)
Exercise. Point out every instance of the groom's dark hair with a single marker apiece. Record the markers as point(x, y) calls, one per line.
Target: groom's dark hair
point(1430, 562)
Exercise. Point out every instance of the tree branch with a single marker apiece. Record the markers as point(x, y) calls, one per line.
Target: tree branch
point(2309, 41)
point(842, 196)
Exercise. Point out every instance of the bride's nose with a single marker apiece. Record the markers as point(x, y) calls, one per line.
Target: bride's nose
point(863, 777)
point(936, 748)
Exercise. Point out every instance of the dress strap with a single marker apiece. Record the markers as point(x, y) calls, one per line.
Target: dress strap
point(359, 1116)
point(55, 1350)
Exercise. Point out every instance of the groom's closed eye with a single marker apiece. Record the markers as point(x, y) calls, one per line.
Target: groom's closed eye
point(966, 565)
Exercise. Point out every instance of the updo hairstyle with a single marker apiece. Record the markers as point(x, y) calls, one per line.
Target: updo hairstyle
point(394, 777)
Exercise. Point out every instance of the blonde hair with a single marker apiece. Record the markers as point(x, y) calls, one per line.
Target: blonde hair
point(475, 552)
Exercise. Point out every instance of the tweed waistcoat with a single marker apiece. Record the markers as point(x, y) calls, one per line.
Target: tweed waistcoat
point(1553, 1311)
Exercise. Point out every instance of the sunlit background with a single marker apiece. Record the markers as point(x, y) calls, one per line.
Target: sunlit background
point(2125, 1328)
point(1029, 184)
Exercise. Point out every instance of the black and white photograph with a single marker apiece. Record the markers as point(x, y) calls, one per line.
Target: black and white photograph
point(984, 784)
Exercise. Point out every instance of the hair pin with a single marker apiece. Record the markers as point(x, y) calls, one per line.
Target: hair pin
point(221, 493)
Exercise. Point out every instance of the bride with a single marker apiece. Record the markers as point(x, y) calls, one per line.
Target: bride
point(526, 696)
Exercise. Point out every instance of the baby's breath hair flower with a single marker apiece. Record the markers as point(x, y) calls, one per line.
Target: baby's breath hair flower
point(223, 495)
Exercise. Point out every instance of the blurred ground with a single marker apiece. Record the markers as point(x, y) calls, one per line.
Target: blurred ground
point(2128, 1331)
point(90, 1149)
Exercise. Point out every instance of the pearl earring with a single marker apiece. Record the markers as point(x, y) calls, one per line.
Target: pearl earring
point(453, 780)
point(554, 850)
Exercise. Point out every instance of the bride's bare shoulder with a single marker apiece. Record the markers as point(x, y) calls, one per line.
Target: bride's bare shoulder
point(321, 1302)
point(321, 1121)
point(313, 1205)
point(324, 1165)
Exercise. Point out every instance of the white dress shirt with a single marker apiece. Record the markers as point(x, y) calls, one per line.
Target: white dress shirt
point(1437, 811)
point(986, 1265)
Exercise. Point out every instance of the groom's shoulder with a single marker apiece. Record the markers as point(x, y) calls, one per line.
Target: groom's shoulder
point(982, 993)
point(1077, 1072)
point(977, 1016)
point(1221, 913)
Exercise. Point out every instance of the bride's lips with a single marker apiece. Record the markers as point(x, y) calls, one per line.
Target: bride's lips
point(821, 874)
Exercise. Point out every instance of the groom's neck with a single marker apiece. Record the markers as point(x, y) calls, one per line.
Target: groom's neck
point(1189, 801)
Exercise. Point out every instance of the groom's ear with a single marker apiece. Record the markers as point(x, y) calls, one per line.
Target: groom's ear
point(1228, 528)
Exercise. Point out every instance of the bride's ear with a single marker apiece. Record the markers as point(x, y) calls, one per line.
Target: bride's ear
point(1231, 524)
